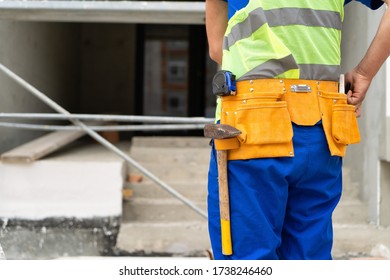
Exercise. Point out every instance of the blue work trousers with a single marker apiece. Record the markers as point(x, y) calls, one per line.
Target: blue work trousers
point(280, 208)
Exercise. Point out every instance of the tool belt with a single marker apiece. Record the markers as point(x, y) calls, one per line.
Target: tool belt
point(264, 109)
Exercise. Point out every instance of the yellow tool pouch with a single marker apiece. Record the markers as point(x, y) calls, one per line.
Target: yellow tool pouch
point(339, 121)
point(263, 110)
point(263, 118)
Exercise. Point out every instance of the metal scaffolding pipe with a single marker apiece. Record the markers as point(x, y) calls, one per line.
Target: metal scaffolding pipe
point(103, 127)
point(116, 118)
point(101, 140)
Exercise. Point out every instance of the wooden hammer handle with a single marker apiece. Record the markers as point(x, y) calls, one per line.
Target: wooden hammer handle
point(224, 202)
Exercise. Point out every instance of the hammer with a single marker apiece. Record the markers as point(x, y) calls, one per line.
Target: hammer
point(223, 131)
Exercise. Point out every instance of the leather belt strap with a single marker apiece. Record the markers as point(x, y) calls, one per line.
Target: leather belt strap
point(301, 95)
point(270, 85)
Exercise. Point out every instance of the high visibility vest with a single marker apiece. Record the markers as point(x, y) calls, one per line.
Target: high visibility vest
point(292, 39)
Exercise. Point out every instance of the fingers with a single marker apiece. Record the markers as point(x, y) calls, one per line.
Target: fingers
point(357, 92)
point(358, 111)
point(353, 100)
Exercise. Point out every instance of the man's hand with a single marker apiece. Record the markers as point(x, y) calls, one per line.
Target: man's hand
point(359, 86)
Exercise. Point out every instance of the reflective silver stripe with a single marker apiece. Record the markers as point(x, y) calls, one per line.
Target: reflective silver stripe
point(319, 72)
point(275, 67)
point(242, 30)
point(307, 17)
point(281, 17)
point(271, 68)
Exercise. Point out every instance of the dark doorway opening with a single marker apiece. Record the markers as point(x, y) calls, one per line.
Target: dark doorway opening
point(172, 73)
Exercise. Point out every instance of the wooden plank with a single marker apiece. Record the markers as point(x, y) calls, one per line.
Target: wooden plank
point(41, 146)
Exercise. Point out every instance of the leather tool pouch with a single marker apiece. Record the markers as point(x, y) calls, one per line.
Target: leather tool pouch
point(265, 119)
point(339, 122)
point(265, 124)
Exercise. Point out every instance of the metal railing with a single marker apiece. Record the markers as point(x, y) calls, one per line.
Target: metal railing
point(179, 123)
point(102, 127)
point(195, 123)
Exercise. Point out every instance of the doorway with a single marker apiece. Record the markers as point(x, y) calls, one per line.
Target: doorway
point(173, 71)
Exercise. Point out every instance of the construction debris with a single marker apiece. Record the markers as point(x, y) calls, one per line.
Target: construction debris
point(135, 178)
point(381, 251)
point(127, 194)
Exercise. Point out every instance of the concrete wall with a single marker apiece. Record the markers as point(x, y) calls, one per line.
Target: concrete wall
point(363, 159)
point(85, 67)
point(384, 143)
point(385, 193)
point(45, 55)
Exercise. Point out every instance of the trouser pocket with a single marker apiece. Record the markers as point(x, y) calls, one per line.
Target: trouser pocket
point(345, 128)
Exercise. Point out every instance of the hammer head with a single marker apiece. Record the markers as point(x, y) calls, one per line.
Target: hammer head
point(220, 131)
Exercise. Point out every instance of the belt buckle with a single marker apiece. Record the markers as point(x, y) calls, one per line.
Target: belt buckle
point(300, 88)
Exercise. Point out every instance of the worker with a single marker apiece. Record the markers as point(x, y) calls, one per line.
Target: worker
point(284, 169)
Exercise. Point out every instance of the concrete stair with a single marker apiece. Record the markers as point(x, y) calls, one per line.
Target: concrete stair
point(155, 223)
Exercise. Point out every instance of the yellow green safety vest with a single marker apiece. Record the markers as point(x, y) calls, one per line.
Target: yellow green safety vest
point(292, 39)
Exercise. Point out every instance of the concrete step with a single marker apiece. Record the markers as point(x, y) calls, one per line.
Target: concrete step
point(191, 172)
point(148, 189)
point(159, 210)
point(173, 142)
point(176, 238)
point(171, 155)
point(153, 221)
point(84, 181)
